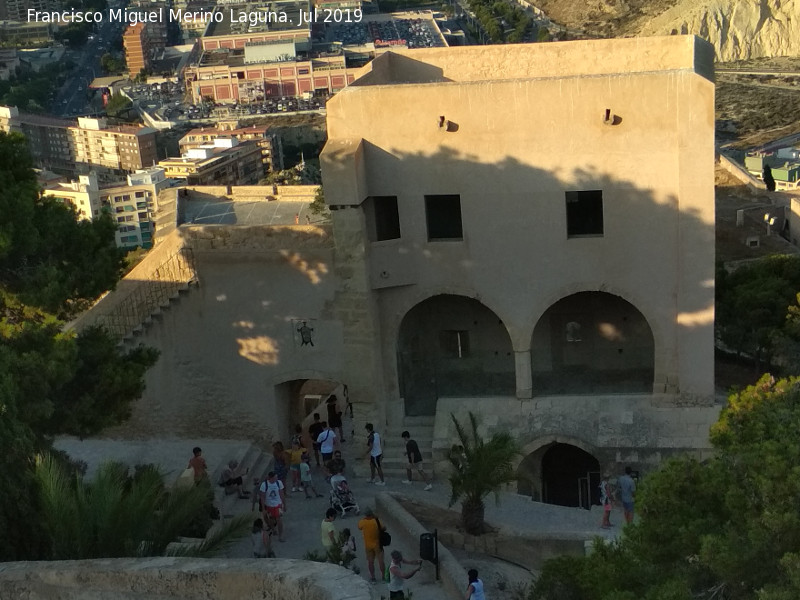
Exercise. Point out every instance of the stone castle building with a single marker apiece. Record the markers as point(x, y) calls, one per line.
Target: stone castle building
point(525, 232)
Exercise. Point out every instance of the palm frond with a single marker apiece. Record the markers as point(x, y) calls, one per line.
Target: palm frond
point(480, 467)
point(219, 537)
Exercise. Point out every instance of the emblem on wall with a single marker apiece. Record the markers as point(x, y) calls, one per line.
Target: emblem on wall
point(303, 331)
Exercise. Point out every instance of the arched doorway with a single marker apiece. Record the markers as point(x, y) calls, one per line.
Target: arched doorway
point(570, 476)
point(452, 346)
point(592, 343)
point(297, 400)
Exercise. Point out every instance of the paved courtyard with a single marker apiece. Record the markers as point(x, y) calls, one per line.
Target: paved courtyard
point(303, 517)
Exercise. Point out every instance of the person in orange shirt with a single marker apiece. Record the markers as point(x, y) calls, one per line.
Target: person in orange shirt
point(370, 528)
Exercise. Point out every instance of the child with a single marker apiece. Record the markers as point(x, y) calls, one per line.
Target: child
point(348, 543)
point(295, 458)
point(260, 537)
point(255, 497)
point(605, 500)
point(305, 477)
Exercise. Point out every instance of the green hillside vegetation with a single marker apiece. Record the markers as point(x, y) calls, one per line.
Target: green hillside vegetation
point(52, 381)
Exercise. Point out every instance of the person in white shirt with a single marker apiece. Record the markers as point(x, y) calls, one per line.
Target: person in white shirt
point(273, 499)
point(396, 575)
point(375, 454)
point(326, 439)
point(475, 587)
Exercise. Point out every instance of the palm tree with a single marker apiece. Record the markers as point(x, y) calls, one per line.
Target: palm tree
point(480, 468)
point(118, 516)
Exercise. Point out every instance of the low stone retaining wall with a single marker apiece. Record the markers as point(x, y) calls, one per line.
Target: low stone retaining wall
point(400, 523)
point(524, 550)
point(180, 578)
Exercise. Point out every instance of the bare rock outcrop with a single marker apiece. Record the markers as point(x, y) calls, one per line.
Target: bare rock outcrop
point(738, 29)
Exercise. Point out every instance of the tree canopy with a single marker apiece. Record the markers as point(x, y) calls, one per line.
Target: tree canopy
point(753, 305)
point(52, 381)
point(117, 105)
point(725, 529)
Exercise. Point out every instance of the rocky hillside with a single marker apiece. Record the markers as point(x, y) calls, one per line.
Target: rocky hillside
point(739, 29)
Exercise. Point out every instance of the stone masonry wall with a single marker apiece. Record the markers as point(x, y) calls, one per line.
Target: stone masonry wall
point(180, 578)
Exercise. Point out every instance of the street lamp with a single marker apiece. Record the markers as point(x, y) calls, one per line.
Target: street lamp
point(770, 221)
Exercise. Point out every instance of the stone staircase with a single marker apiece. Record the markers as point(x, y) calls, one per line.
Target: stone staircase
point(257, 463)
point(166, 272)
point(394, 458)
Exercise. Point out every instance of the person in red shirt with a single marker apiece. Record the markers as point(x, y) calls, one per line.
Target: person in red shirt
point(198, 464)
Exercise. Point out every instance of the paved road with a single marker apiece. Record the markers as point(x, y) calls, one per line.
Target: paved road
point(73, 98)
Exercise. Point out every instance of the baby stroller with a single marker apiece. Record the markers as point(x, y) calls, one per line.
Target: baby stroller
point(342, 499)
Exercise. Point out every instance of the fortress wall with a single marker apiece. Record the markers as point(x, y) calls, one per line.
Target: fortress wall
point(230, 340)
point(180, 578)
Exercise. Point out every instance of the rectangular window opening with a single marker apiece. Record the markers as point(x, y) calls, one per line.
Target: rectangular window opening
point(584, 213)
point(383, 218)
point(443, 216)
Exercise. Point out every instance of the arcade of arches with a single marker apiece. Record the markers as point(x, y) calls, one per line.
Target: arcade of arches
point(586, 343)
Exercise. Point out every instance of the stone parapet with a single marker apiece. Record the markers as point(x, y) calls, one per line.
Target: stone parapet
point(180, 578)
point(257, 238)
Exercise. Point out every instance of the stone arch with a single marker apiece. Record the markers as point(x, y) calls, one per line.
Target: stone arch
point(546, 300)
point(295, 395)
point(450, 345)
point(592, 342)
point(569, 479)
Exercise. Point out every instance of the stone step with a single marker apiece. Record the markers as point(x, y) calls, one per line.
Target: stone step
point(423, 421)
point(256, 464)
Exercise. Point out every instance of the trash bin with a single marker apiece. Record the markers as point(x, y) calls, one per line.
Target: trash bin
point(427, 547)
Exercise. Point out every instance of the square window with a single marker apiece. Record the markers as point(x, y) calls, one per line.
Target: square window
point(383, 219)
point(455, 344)
point(584, 213)
point(443, 215)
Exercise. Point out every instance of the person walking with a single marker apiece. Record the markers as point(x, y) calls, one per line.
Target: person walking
point(375, 452)
point(370, 529)
point(306, 483)
point(606, 496)
point(329, 536)
point(335, 416)
point(414, 461)
point(273, 499)
point(475, 587)
point(326, 440)
point(313, 432)
point(396, 575)
point(627, 489)
point(295, 458)
point(198, 464)
point(261, 539)
point(281, 460)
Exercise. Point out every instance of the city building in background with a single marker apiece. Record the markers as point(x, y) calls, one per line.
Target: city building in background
point(65, 146)
point(134, 203)
point(270, 143)
point(223, 161)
